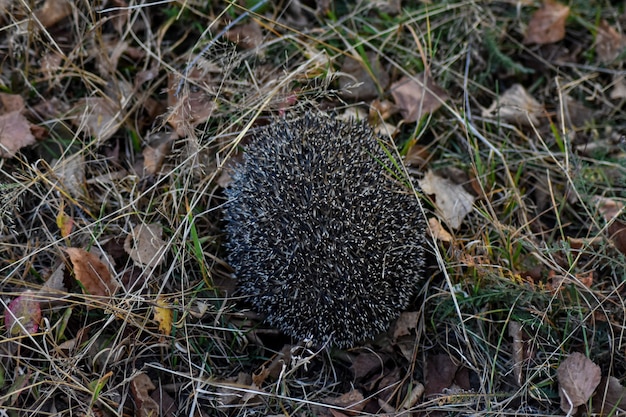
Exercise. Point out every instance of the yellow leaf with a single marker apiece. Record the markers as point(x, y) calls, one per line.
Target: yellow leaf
point(163, 315)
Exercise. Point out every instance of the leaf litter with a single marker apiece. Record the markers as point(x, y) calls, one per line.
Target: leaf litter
point(87, 103)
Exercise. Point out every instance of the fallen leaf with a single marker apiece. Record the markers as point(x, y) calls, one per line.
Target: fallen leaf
point(231, 396)
point(515, 105)
point(365, 364)
point(357, 82)
point(578, 378)
point(608, 207)
point(609, 43)
point(259, 377)
point(417, 96)
point(438, 232)
point(575, 114)
point(23, 315)
point(145, 245)
point(70, 173)
point(14, 134)
point(610, 398)
point(155, 152)
point(439, 374)
point(169, 406)
point(585, 279)
point(54, 285)
point(407, 321)
point(618, 89)
point(53, 11)
point(163, 315)
point(11, 102)
point(92, 273)
point(140, 387)
point(193, 105)
point(617, 235)
point(65, 223)
point(352, 401)
point(97, 117)
point(547, 25)
point(246, 36)
point(451, 199)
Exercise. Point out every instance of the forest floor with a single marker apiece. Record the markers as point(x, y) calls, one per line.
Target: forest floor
point(119, 119)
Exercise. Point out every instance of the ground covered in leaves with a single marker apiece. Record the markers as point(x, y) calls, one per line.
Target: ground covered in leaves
point(119, 120)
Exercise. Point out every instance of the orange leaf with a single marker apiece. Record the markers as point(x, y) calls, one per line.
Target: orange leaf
point(92, 273)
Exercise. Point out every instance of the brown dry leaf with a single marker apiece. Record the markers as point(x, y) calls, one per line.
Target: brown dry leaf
point(439, 374)
point(246, 36)
point(438, 232)
point(145, 245)
point(417, 96)
point(356, 82)
point(163, 315)
point(575, 114)
point(352, 401)
point(585, 279)
point(70, 172)
point(547, 25)
point(610, 398)
point(578, 378)
point(193, 105)
point(618, 89)
point(96, 116)
point(617, 234)
point(14, 134)
point(154, 154)
point(381, 110)
point(515, 105)
point(609, 43)
point(92, 273)
point(407, 321)
point(11, 102)
point(53, 11)
point(366, 364)
point(451, 199)
point(145, 406)
point(607, 207)
point(227, 395)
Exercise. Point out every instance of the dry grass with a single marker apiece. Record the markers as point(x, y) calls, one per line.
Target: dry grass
point(505, 300)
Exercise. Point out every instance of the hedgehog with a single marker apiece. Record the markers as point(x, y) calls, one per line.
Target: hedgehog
point(324, 233)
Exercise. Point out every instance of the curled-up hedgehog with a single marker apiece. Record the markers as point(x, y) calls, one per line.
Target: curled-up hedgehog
point(324, 234)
